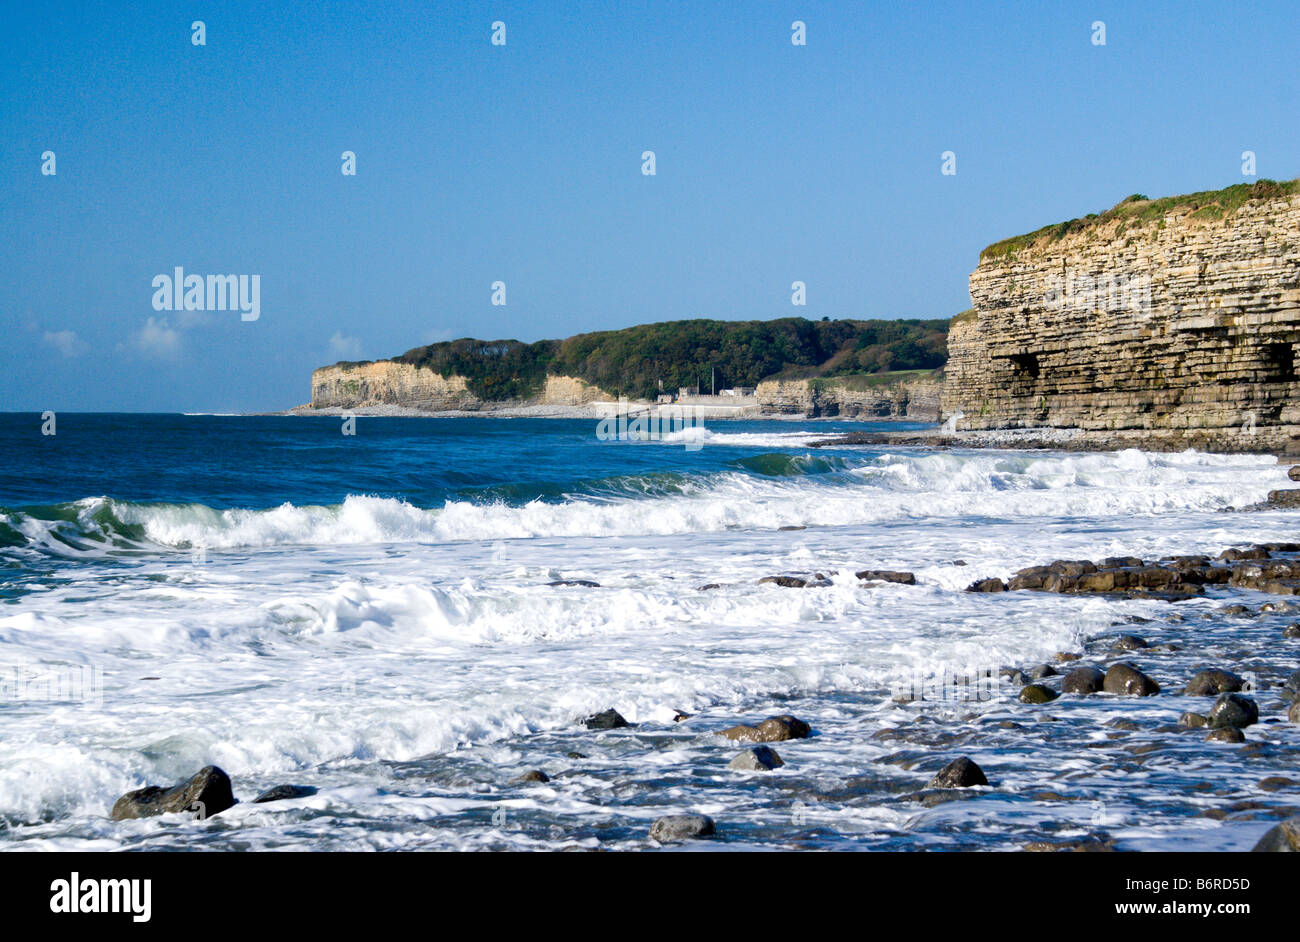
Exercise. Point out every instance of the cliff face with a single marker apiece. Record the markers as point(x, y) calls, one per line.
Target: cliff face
point(916, 399)
point(1180, 328)
point(387, 382)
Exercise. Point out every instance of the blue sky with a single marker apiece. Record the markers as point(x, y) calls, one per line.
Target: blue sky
point(522, 163)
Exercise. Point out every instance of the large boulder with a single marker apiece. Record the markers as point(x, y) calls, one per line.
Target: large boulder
point(774, 729)
point(606, 719)
point(1232, 709)
point(1083, 680)
point(987, 585)
point(887, 575)
point(681, 827)
point(285, 792)
point(1209, 683)
point(1037, 693)
point(757, 759)
point(959, 773)
point(1125, 678)
point(207, 793)
point(1284, 838)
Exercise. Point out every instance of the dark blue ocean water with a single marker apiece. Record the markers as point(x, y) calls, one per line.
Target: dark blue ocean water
point(263, 461)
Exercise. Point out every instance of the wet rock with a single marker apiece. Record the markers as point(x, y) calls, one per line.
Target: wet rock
point(1194, 720)
point(791, 526)
point(1123, 678)
point(1286, 498)
point(1121, 723)
point(775, 729)
point(1122, 562)
point(707, 587)
point(1232, 709)
point(1037, 693)
point(587, 583)
point(959, 773)
point(678, 716)
point(1292, 684)
point(887, 575)
point(757, 759)
point(204, 795)
point(1084, 680)
point(987, 585)
point(794, 582)
point(533, 775)
point(1017, 677)
point(285, 792)
point(1293, 714)
point(1063, 657)
point(1089, 844)
point(1041, 671)
point(1209, 683)
point(1291, 631)
point(1276, 783)
point(1226, 734)
point(1128, 643)
point(576, 755)
point(1249, 552)
point(1237, 610)
point(606, 719)
point(1284, 838)
point(681, 827)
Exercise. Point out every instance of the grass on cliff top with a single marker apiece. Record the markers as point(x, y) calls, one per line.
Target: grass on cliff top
point(1138, 210)
point(859, 382)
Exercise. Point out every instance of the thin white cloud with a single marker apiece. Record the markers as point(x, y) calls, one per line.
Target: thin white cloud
point(345, 347)
point(157, 339)
point(66, 342)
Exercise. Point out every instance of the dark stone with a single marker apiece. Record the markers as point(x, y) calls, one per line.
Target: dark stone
point(534, 775)
point(1211, 682)
point(1037, 693)
point(1122, 562)
point(1232, 709)
point(1226, 734)
point(1294, 472)
point(791, 526)
point(794, 582)
point(1249, 552)
point(959, 773)
point(1284, 838)
point(576, 755)
point(1128, 643)
point(607, 719)
point(1194, 720)
point(284, 792)
point(678, 716)
point(1291, 631)
point(1127, 679)
point(774, 729)
point(1293, 713)
point(987, 585)
point(1041, 671)
point(706, 588)
point(1083, 680)
point(578, 582)
point(757, 759)
point(681, 827)
point(204, 795)
point(887, 575)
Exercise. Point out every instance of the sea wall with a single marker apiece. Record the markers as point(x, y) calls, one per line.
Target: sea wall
point(913, 399)
point(1180, 329)
point(388, 382)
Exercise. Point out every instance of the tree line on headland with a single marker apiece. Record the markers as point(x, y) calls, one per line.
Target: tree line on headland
point(638, 362)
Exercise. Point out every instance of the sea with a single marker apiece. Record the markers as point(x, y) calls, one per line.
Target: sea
point(408, 618)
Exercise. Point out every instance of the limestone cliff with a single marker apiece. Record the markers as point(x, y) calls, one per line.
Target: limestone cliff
point(1173, 321)
point(390, 382)
point(852, 397)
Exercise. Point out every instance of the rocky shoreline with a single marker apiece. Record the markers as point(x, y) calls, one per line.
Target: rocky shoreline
point(1230, 684)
